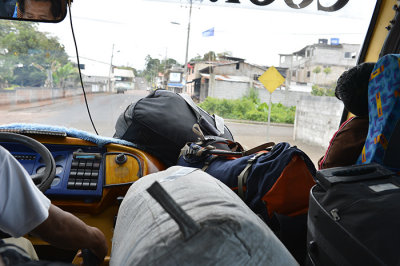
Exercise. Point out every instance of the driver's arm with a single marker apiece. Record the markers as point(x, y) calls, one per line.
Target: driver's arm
point(65, 230)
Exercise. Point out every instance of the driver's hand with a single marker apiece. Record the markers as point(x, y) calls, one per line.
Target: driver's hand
point(99, 243)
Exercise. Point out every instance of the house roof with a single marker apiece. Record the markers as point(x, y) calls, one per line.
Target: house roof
point(230, 78)
point(302, 52)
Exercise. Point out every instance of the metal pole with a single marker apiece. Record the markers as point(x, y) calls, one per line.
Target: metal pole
point(164, 85)
point(269, 115)
point(110, 72)
point(187, 47)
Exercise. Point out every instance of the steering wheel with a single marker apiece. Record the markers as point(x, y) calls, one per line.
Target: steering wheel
point(42, 180)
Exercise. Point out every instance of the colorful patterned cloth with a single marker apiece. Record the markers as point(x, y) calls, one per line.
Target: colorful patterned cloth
point(384, 108)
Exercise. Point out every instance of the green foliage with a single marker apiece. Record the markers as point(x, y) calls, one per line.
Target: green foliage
point(62, 74)
point(327, 70)
point(210, 56)
point(317, 70)
point(153, 66)
point(197, 58)
point(249, 108)
point(27, 53)
point(29, 76)
point(319, 91)
point(252, 94)
point(226, 53)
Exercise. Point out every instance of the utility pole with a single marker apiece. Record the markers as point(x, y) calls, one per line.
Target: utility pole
point(187, 46)
point(165, 69)
point(109, 74)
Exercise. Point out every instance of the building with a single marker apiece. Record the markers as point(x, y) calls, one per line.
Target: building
point(174, 79)
point(122, 79)
point(320, 63)
point(229, 78)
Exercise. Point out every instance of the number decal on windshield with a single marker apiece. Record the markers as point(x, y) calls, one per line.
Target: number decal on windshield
point(338, 5)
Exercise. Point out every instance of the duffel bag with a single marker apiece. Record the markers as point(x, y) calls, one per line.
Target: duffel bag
point(353, 217)
point(161, 124)
point(275, 183)
point(200, 221)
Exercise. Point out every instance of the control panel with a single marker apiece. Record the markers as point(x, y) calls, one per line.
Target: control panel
point(79, 169)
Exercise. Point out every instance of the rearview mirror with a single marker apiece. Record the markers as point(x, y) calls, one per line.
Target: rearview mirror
point(33, 10)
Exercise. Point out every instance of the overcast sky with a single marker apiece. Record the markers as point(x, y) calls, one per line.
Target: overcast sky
point(142, 27)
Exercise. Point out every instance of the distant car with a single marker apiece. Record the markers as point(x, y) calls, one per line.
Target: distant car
point(121, 90)
point(121, 87)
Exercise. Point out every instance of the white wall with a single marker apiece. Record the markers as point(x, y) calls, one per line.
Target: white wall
point(317, 119)
point(287, 98)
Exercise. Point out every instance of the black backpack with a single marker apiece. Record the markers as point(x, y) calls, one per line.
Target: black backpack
point(162, 123)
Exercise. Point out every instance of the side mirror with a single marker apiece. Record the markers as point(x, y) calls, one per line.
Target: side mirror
point(34, 10)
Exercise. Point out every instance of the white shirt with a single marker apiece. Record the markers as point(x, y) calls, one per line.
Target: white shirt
point(22, 205)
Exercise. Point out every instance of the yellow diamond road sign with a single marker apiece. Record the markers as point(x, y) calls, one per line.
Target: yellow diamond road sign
point(271, 79)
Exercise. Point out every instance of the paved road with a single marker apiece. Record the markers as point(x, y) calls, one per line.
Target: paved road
point(71, 112)
point(106, 108)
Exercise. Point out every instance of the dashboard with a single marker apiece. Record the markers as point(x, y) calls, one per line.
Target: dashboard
point(79, 169)
point(85, 172)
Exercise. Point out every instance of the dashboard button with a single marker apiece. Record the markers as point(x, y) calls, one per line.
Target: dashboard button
point(40, 170)
point(71, 183)
point(86, 184)
point(93, 185)
point(72, 173)
point(80, 173)
point(78, 183)
point(59, 170)
point(95, 173)
point(75, 164)
point(56, 181)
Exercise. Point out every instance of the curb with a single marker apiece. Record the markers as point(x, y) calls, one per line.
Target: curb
point(257, 122)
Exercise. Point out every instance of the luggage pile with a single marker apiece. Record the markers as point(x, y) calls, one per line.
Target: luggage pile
point(273, 180)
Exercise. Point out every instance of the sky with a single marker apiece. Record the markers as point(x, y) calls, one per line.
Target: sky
point(138, 28)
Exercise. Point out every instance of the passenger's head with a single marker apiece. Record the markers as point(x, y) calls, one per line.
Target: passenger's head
point(40, 9)
point(352, 88)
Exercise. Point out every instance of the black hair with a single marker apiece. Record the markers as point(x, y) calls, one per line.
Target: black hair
point(352, 88)
point(55, 6)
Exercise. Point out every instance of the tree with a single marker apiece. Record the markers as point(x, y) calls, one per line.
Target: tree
point(226, 53)
point(210, 56)
point(27, 49)
point(317, 70)
point(63, 73)
point(198, 58)
point(29, 76)
point(327, 70)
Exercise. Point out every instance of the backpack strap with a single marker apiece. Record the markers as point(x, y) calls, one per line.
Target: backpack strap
point(259, 148)
point(208, 161)
point(242, 178)
point(216, 130)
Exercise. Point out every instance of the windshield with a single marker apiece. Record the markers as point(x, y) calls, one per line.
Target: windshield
point(210, 50)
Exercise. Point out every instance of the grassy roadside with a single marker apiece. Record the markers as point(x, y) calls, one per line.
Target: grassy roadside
point(250, 108)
